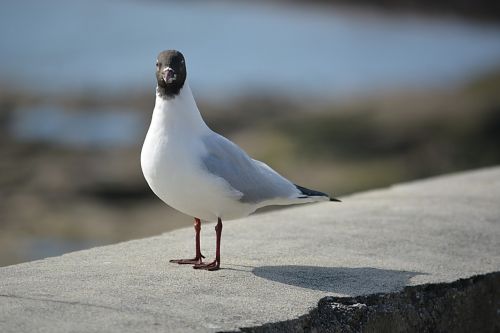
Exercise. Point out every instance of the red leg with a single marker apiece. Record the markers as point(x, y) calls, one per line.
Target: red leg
point(214, 265)
point(198, 257)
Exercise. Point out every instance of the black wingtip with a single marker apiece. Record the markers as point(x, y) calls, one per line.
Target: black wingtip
point(312, 193)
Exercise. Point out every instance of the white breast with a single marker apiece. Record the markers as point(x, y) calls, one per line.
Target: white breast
point(171, 163)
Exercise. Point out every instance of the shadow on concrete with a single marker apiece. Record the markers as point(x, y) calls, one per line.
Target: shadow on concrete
point(341, 280)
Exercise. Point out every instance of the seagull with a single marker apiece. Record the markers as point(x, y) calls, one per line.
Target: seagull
point(201, 173)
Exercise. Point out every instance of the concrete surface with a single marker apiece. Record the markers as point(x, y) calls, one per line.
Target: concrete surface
point(276, 265)
point(463, 306)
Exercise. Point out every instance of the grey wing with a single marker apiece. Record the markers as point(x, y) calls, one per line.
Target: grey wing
point(254, 179)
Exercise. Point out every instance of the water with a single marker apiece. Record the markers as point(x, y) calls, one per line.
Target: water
point(35, 248)
point(104, 128)
point(231, 48)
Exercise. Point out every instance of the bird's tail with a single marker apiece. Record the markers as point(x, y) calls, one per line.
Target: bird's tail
point(307, 193)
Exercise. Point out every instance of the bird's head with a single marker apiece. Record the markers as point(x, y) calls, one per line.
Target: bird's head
point(170, 73)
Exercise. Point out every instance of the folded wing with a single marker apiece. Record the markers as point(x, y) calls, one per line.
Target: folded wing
point(255, 180)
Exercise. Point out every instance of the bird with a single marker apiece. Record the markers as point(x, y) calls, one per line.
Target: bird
point(198, 171)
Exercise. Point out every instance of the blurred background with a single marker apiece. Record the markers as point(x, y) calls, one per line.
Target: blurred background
point(336, 96)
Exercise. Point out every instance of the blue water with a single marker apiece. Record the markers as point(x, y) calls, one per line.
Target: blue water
point(34, 248)
point(96, 128)
point(233, 48)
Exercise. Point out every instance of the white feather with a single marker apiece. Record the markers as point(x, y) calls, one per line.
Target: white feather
point(201, 173)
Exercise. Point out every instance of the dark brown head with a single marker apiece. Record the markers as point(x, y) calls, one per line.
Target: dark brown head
point(170, 73)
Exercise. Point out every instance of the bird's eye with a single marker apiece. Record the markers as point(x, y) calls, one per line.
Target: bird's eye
point(158, 64)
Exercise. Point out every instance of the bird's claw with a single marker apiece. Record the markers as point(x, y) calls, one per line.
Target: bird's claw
point(211, 266)
point(194, 261)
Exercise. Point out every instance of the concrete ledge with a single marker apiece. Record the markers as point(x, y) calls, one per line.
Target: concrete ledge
point(466, 305)
point(277, 266)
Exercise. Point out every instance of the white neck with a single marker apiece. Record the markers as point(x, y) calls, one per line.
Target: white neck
point(179, 113)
